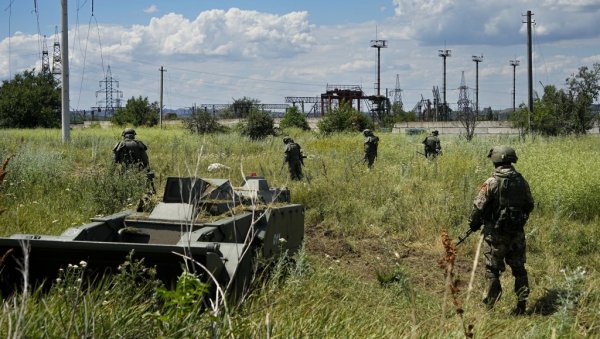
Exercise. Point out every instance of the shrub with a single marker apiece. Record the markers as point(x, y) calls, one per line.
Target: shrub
point(344, 118)
point(294, 118)
point(258, 125)
point(201, 122)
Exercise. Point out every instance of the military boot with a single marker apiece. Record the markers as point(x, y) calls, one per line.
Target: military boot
point(522, 291)
point(494, 291)
point(520, 308)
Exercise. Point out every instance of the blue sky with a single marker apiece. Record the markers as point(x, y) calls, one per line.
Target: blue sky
point(214, 51)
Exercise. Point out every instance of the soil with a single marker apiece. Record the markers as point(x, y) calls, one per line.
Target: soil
point(363, 257)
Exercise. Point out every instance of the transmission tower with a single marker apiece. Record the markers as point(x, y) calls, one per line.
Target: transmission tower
point(45, 58)
point(398, 93)
point(112, 96)
point(464, 104)
point(56, 58)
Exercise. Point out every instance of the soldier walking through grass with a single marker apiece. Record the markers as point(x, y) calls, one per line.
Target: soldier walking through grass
point(432, 145)
point(503, 205)
point(371, 144)
point(131, 154)
point(294, 158)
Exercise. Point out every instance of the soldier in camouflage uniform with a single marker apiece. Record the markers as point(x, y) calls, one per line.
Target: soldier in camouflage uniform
point(503, 205)
point(131, 152)
point(371, 144)
point(294, 158)
point(432, 145)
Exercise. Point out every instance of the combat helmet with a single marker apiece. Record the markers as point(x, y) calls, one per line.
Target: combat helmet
point(367, 132)
point(503, 155)
point(130, 131)
point(435, 132)
point(287, 140)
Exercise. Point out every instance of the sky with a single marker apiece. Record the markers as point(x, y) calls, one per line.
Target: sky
point(217, 51)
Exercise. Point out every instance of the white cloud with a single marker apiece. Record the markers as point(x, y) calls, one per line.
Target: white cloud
point(151, 9)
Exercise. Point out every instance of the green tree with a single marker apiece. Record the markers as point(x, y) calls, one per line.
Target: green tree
point(240, 108)
point(583, 88)
point(30, 100)
point(344, 118)
point(201, 122)
point(564, 111)
point(400, 115)
point(258, 125)
point(137, 112)
point(294, 118)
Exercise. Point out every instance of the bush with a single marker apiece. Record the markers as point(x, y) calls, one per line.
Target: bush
point(344, 118)
point(258, 125)
point(294, 118)
point(201, 122)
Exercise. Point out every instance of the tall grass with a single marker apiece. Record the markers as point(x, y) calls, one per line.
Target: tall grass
point(358, 223)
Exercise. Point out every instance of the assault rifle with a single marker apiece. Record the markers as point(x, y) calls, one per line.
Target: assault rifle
point(464, 236)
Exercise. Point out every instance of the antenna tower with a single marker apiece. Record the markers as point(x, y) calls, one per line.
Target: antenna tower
point(464, 104)
point(56, 58)
point(45, 58)
point(398, 93)
point(112, 96)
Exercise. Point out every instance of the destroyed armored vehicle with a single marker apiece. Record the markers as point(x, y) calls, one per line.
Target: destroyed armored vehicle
point(202, 224)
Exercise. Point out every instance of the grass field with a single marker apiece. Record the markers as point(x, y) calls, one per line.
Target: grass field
point(360, 224)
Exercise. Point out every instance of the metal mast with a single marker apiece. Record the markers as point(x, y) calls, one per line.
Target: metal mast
point(379, 44)
point(45, 58)
point(463, 97)
point(112, 96)
point(444, 53)
point(514, 64)
point(56, 58)
point(477, 60)
point(398, 92)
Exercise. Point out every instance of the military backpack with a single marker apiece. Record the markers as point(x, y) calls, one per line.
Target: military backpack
point(513, 203)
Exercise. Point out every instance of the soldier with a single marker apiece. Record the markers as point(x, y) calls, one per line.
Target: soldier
point(503, 205)
point(131, 152)
point(371, 143)
point(294, 158)
point(432, 145)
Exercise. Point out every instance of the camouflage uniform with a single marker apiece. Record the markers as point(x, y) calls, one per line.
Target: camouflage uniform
point(371, 144)
point(294, 158)
point(432, 145)
point(503, 205)
point(131, 152)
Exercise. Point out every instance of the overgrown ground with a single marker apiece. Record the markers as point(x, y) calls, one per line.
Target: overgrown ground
point(358, 224)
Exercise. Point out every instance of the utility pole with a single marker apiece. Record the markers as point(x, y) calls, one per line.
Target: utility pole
point(379, 44)
point(66, 114)
point(477, 60)
point(444, 53)
point(514, 64)
point(529, 68)
point(160, 109)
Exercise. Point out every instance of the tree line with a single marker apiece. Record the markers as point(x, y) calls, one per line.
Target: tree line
point(32, 99)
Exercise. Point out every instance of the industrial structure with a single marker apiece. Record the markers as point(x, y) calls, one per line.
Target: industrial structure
point(110, 96)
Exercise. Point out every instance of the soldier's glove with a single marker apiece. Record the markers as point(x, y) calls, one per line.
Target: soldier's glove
point(474, 226)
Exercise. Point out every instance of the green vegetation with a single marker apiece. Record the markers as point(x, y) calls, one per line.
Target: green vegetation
point(138, 112)
point(344, 118)
point(30, 100)
point(369, 268)
point(257, 125)
point(565, 111)
point(293, 118)
point(201, 122)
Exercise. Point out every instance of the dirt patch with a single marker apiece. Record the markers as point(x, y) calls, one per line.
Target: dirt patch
point(364, 257)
